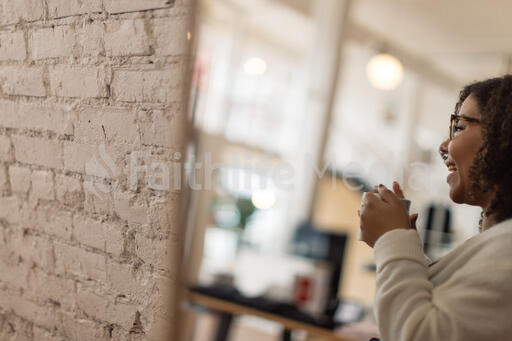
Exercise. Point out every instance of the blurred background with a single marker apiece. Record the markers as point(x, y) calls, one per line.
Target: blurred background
point(300, 106)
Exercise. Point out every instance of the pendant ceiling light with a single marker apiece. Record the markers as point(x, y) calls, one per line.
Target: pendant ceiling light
point(384, 71)
point(255, 66)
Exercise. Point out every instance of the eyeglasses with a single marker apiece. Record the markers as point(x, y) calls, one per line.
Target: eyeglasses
point(454, 120)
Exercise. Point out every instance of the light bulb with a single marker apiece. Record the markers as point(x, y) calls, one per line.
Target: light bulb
point(263, 199)
point(384, 71)
point(255, 66)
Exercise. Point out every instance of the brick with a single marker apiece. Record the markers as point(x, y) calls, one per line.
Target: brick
point(69, 190)
point(161, 217)
point(10, 209)
point(82, 82)
point(104, 236)
point(52, 42)
point(13, 272)
point(5, 148)
point(76, 155)
point(20, 179)
point(43, 335)
point(90, 39)
point(34, 251)
point(147, 86)
point(66, 8)
point(8, 256)
point(15, 328)
point(171, 36)
point(98, 125)
point(92, 304)
point(79, 262)
point(22, 80)
point(156, 128)
point(120, 312)
point(130, 207)
point(53, 221)
point(38, 151)
point(42, 185)
point(12, 46)
point(125, 6)
point(76, 329)
point(21, 10)
point(128, 281)
point(48, 287)
point(43, 316)
point(3, 178)
point(158, 255)
point(58, 119)
point(97, 201)
point(127, 38)
point(94, 161)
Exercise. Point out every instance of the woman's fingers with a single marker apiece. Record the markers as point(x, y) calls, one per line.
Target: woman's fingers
point(413, 218)
point(387, 195)
point(398, 191)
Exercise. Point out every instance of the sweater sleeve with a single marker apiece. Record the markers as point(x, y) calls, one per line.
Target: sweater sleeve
point(409, 308)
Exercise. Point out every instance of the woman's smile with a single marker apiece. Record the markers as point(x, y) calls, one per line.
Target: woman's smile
point(452, 169)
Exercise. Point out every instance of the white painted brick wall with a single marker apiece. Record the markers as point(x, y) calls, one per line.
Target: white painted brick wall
point(57, 289)
point(124, 6)
point(52, 42)
point(43, 186)
point(5, 148)
point(12, 46)
point(105, 236)
point(4, 180)
point(10, 208)
point(33, 250)
point(69, 190)
point(116, 311)
point(20, 179)
point(79, 261)
point(90, 38)
point(56, 118)
point(147, 86)
point(171, 37)
point(127, 37)
point(154, 127)
point(65, 8)
point(53, 221)
point(111, 125)
point(25, 81)
point(76, 81)
point(21, 10)
point(77, 328)
point(38, 151)
point(76, 156)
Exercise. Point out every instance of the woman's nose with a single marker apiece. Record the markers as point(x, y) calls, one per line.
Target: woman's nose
point(443, 149)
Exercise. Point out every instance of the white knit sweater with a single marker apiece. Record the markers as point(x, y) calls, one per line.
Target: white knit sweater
point(466, 295)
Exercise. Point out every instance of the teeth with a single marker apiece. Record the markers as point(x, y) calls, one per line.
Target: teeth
point(452, 169)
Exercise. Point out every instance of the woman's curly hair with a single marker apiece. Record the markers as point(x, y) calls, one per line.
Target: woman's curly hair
point(492, 167)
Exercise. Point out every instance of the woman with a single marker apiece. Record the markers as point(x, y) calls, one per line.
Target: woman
point(466, 295)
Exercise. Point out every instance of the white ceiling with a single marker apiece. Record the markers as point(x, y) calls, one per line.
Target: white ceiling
point(468, 39)
point(465, 40)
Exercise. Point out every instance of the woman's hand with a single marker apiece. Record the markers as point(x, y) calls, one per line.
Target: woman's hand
point(380, 216)
point(400, 194)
